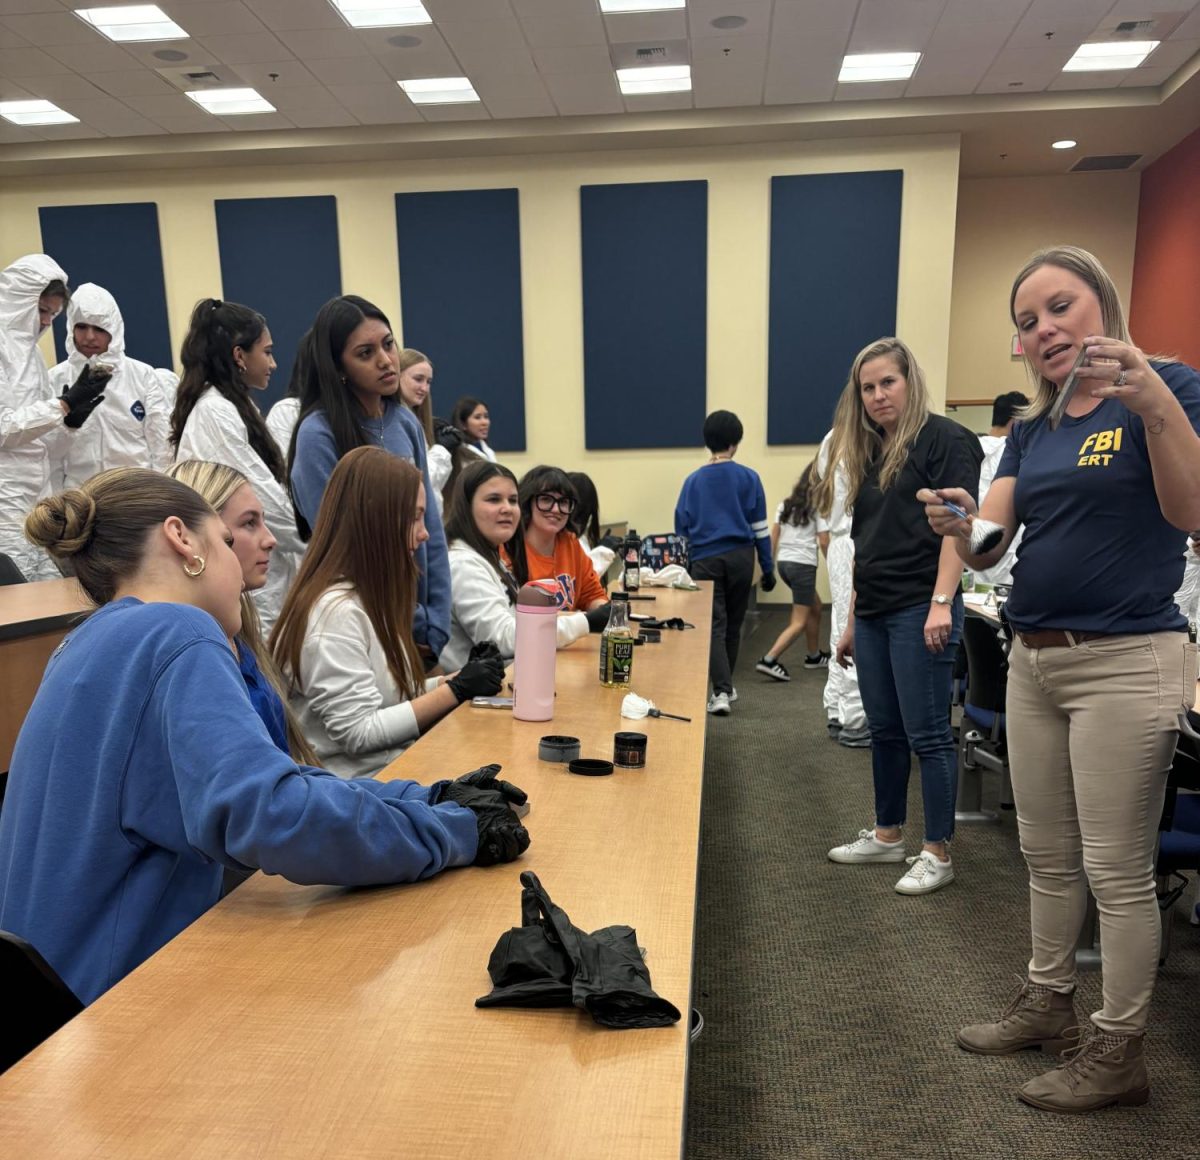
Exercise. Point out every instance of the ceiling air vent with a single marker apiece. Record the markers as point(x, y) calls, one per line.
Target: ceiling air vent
point(1135, 29)
point(658, 52)
point(1113, 161)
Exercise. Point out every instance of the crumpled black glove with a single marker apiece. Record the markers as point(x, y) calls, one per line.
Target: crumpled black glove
point(485, 648)
point(449, 437)
point(768, 581)
point(481, 676)
point(597, 617)
point(88, 386)
point(612, 543)
point(502, 838)
point(77, 416)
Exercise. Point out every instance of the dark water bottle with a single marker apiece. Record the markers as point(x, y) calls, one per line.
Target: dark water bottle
point(632, 552)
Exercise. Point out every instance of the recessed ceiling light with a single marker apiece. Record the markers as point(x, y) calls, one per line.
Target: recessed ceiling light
point(35, 113)
point(440, 91)
point(659, 78)
point(725, 23)
point(1065, 143)
point(132, 22)
point(877, 66)
point(611, 6)
point(1110, 55)
point(231, 102)
point(381, 13)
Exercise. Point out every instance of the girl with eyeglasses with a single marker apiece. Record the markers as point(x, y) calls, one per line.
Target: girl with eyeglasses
point(543, 547)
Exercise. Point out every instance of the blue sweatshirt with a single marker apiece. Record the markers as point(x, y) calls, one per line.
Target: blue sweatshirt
point(722, 507)
point(142, 770)
point(263, 698)
point(401, 434)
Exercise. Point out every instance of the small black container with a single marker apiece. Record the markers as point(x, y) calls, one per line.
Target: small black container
point(629, 750)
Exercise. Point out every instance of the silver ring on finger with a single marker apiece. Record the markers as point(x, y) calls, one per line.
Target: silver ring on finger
point(1119, 381)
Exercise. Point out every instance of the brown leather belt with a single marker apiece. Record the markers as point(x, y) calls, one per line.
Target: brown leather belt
point(1058, 638)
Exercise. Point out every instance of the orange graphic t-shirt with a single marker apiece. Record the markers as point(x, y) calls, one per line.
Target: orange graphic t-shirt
point(578, 585)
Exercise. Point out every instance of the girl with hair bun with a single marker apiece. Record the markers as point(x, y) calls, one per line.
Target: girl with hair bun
point(142, 771)
point(226, 355)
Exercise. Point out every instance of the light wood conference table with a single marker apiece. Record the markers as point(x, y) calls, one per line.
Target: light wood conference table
point(296, 1021)
point(33, 620)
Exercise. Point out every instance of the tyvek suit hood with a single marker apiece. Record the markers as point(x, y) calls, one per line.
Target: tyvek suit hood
point(29, 412)
point(92, 305)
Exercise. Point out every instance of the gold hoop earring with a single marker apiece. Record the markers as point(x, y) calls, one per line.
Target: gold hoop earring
point(199, 571)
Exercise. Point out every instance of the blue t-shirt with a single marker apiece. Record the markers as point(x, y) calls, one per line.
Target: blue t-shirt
point(722, 507)
point(141, 770)
point(398, 432)
point(1097, 554)
point(267, 703)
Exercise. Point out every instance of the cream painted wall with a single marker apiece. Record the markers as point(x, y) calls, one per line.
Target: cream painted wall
point(639, 486)
point(1001, 222)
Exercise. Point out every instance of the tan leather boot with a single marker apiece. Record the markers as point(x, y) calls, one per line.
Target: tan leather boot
point(1102, 1070)
point(1035, 1017)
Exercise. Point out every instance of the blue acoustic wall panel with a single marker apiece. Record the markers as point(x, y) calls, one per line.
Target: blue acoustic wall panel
point(645, 313)
point(835, 257)
point(279, 255)
point(117, 247)
point(460, 281)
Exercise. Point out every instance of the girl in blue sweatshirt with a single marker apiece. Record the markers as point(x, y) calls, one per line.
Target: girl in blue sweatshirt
point(142, 769)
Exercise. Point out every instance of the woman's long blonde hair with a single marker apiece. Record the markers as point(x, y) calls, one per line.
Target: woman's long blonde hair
point(857, 442)
point(1087, 268)
point(405, 359)
point(217, 483)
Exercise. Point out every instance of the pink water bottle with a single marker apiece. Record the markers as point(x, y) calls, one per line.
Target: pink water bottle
point(537, 640)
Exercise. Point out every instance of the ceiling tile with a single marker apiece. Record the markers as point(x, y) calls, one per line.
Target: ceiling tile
point(170, 105)
point(376, 99)
point(730, 97)
point(573, 58)
point(658, 102)
point(647, 27)
point(10, 6)
point(734, 51)
point(1148, 76)
point(296, 15)
point(472, 112)
point(540, 33)
point(877, 91)
point(797, 19)
point(349, 71)
point(518, 87)
point(30, 62)
point(99, 56)
point(247, 49)
point(578, 94)
point(323, 45)
point(1035, 69)
point(1067, 82)
point(14, 134)
point(1189, 29)
point(480, 62)
point(217, 19)
point(443, 10)
point(1171, 54)
point(276, 76)
point(170, 53)
point(950, 74)
point(191, 123)
point(701, 14)
point(968, 37)
point(131, 83)
point(77, 132)
point(403, 114)
point(64, 86)
point(48, 30)
point(308, 99)
point(894, 25)
point(11, 91)
point(10, 39)
point(431, 61)
point(256, 122)
point(516, 108)
point(335, 118)
point(499, 35)
point(531, 10)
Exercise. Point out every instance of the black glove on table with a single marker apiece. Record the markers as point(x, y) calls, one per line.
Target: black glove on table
point(481, 676)
point(768, 581)
point(502, 837)
point(597, 617)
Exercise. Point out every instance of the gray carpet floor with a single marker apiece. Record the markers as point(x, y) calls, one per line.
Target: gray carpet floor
point(830, 1002)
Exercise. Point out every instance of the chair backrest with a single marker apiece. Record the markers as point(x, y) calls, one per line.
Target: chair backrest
point(9, 572)
point(662, 549)
point(34, 1001)
point(987, 666)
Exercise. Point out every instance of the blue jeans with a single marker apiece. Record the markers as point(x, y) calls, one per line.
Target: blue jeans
point(906, 694)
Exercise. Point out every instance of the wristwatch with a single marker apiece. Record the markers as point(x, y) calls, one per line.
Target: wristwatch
point(939, 598)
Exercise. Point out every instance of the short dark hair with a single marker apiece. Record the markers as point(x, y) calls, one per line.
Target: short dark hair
point(1005, 407)
point(722, 429)
point(536, 481)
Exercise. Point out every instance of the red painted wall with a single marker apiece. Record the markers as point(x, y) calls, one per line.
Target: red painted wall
point(1164, 314)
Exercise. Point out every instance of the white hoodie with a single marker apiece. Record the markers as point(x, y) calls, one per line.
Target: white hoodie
point(132, 427)
point(29, 410)
point(481, 610)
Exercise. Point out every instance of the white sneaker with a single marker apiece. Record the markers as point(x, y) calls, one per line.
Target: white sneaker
point(926, 872)
point(732, 695)
point(868, 848)
point(718, 704)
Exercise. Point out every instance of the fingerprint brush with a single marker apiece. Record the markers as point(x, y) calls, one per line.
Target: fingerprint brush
point(985, 535)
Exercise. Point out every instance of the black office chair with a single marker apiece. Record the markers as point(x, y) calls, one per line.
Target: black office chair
point(34, 1001)
point(9, 572)
point(982, 741)
point(1179, 836)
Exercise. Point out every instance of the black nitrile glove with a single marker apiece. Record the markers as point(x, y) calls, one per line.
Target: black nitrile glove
point(597, 617)
point(450, 438)
point(87, 387)
point(481, 676)
point(768, 581)
point(485, 649)
point(485, 778)
point(612, 543)
point(77, 416)
point(502, 838)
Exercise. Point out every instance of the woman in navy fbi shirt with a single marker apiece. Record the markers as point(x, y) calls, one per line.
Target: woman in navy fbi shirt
point(1100, 667)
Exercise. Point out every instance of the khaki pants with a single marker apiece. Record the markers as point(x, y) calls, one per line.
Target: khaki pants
point(1091, 732)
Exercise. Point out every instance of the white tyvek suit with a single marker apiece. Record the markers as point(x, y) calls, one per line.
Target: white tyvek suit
point(1188, 596)
point(1001, 571)
point(29, 410)
point(842, 700)
point(131, 428)
point(281, 421)
point(214, 432)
